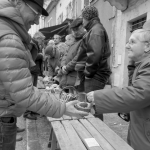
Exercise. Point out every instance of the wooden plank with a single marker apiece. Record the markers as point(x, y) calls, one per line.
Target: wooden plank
point(73, 136)
point(76, 118)
point(89, 116)
point(99, 138)
point(61, 136)
point(117, 142)
point(84, 134)
point(65, 117)
point(50, 119)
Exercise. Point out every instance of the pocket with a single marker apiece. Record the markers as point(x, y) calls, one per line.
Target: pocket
point(147, 129)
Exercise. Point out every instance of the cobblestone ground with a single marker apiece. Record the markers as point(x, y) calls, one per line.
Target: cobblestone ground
point(23, 144)
point(117, 125)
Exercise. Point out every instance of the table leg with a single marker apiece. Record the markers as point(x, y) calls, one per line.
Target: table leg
point(50, 138)
point(53, 142)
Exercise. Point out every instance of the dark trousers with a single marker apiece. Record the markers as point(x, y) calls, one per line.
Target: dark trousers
point(8, 130)
point(93, 85)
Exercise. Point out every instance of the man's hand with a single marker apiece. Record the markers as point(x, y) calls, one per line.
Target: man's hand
point(72, 111)
point(64, 70)
point(90, 97)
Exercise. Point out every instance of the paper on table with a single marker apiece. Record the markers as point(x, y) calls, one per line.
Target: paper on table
point(91, 142)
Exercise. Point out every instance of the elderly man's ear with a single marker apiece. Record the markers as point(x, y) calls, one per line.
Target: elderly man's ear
point(147, 47)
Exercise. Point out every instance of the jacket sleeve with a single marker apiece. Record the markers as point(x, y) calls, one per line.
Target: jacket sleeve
point(17, 81)
point(71, 65)
point(131, 68)
point(94, 54)
point(50, 69)
point(63, 61)
point(128, 99)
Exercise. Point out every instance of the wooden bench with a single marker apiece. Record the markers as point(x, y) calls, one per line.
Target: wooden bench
point(88, 133)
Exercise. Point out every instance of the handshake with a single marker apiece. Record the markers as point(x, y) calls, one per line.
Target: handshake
point(81, 108)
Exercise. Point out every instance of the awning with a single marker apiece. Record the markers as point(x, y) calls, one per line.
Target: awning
point(49, 32)
point(119, 4)
point(61, 29)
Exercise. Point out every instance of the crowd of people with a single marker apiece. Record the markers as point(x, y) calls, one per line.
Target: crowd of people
point(81, 61)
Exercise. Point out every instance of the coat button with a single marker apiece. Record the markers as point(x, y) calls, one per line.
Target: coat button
point(148, 133)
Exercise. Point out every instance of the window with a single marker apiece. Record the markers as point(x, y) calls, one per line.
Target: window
point(60, 19)
point(138, 24)
point(69, 10)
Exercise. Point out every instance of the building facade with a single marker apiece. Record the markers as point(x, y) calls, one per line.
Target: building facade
point(123, 24)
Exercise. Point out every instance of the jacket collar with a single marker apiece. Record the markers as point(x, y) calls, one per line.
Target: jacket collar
point(12, 22)
point(92, 22)
point(145, 58)
point(79, 38)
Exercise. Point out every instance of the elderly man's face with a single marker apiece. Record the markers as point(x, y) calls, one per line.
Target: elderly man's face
point(56, 39)
point(78, 32)
point(30, 13)
point(135, 47)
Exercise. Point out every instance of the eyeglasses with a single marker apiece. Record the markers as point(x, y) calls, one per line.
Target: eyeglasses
point(37, 13)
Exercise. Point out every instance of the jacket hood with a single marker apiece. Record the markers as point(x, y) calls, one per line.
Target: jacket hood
point(8, 10)
point(92, 22)
point(12, 22)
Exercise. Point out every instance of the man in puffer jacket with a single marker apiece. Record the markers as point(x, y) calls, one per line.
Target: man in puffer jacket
point(94, 52)
point(17, 92)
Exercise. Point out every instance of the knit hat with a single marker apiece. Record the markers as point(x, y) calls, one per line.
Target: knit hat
point(89, 12)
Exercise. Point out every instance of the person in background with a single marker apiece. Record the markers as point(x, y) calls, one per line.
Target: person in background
point(53, 60)
point(94, 53)
point(57, 39)
point(69, 75)
point(62, 48)
point(51, 42)
point(67, 78)
point(70, 40)
point(134, 98)
point(17, 93)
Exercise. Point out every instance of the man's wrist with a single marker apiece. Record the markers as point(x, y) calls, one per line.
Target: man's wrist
point(90, 97)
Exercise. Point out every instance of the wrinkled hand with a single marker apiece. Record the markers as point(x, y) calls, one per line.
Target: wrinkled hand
point(64, 70)
point(72, 111)
point(90, 97)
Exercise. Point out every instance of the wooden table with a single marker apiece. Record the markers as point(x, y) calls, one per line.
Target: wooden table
point(88, 133)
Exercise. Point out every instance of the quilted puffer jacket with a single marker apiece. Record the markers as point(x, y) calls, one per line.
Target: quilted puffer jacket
point(16, 89)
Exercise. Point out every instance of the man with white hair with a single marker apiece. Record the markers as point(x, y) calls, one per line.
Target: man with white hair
point(17, 93)
point(134, 98)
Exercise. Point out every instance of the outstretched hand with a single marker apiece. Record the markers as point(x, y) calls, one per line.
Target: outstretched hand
point(72, 111)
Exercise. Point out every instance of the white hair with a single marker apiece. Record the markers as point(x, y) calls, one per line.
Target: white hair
point(143, 34)
point(38, 35)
